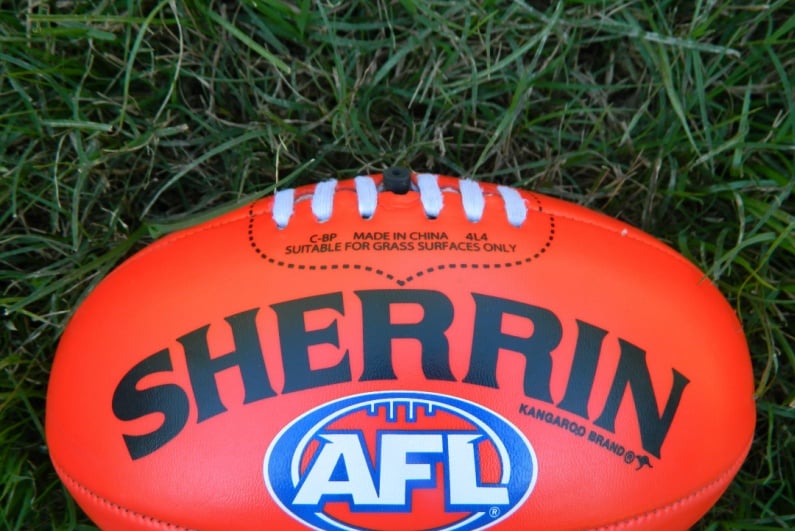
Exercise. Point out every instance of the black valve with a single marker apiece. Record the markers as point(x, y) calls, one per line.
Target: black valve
point(397, 180)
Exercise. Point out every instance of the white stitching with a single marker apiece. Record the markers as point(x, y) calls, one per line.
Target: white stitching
point(430, 194)
point(515, 207)
point(323, 200)
point(472, 199)
point(367, 193)
point(283, 201)
point(431, 197)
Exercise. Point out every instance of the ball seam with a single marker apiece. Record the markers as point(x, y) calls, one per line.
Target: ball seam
point(728, 473)
point(150, 521)
point(624, 524)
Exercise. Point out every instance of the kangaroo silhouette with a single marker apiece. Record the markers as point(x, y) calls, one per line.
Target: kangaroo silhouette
point(643, 460)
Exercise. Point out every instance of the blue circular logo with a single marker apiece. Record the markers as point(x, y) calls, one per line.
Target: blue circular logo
point(400, 460)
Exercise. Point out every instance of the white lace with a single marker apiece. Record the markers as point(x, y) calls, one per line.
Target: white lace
point(367, 192)
point(431, 196)
point(323, 200)
point(283, 206)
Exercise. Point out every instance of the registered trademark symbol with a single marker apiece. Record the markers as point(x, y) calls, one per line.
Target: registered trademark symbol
point(494, 512)
point(629, 457)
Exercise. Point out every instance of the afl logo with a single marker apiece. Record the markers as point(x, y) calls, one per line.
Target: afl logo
point(400, 460)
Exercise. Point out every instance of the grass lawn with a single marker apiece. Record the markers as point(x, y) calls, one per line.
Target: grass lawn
point(121, 122)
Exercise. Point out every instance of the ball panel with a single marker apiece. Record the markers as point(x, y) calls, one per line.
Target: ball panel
point(586, 328)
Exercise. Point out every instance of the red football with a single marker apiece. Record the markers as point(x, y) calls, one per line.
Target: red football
point(402, 352)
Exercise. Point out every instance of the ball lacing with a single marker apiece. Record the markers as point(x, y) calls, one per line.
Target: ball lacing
point(431, 196)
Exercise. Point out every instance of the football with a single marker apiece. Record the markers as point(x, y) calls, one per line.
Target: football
point(402, 351)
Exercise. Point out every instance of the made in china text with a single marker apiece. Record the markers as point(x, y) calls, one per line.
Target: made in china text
point(630, 385)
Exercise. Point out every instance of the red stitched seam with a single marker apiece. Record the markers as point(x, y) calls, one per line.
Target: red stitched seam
point(629, 522)
point(657, 245)
point(128, 513)
point(610, 527)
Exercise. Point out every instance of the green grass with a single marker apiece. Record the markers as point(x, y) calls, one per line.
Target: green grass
point(121, 122)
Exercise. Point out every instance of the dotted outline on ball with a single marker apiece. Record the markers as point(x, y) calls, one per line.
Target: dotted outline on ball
point(724, 478)
point(252, 218)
